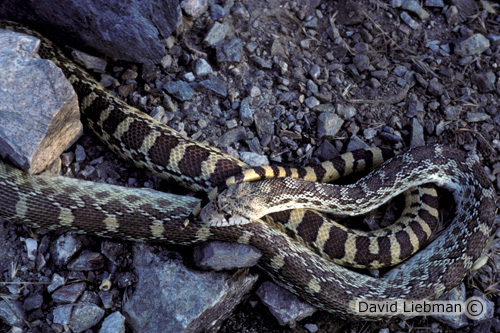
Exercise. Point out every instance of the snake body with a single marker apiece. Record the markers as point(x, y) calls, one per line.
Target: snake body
point(140, 215)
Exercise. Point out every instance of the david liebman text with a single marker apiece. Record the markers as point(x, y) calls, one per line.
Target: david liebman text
point(409, 308)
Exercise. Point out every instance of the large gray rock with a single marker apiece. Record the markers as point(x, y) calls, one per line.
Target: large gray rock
point(130, 30)
point(178, 299)
point(39, 114)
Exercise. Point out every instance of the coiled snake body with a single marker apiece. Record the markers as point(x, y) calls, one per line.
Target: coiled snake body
point(143, 215)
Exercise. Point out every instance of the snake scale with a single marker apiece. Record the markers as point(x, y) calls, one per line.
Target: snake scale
point(144, 215)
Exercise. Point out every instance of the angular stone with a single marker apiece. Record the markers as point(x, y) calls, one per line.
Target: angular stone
point(264, 122)
point(220, 256)
point(254, 159)
point(87, 261)
point(216, 34)
point(180, 90)
point(12, 313)
point(64, 248)
point(417, 134)
point(188, 300)
point(329, 124)
point(213, 85)
point(114, 323)
point(246, 113)
point(474, 45)
point(69, 293)
point(229, 50)
point(89, 61)
point(39, 114)
point(202, 67)
point(485, 81)
point(132, 32)
point(285, 306)
point(85, 316)
point(194, 8)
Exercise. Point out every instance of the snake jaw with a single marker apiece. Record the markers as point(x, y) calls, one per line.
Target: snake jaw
point(221, 212)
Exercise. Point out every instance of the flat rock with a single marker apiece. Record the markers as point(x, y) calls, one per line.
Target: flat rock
point(225, 256)
point(132, 32)
point(285, 306)
point(39, 113)
point(329, 124)
point(474, 45)
point(188, 300)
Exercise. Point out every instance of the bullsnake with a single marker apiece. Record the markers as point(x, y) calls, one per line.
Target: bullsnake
point(147, 143)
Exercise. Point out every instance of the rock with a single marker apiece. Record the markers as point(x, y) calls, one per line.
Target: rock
point(312, 87)
point(56, 282)
point(390, 137)
point(202, 67)
point(369, 133)
point(231, 123)
point(254, 159)
point(62, 314)
point(435, 87)
point(194, 8)
point(414, 106)
point(133, 32)
point(69, 293)
point(285, 306)
point(64, 248)
point(346, 111)
point(114, 323)
point(264, 122)
point(474, 117)
point(85, 316)
point(188, 300)
point(414, 7)
point(313, 328)
point(214, 85)
point(417, 134)
point(455, 321)
point(486, 308)
point(356, 143)
point(87, 261)
point(474, 45)
point(220, 256)
point(451, 14)
point(408, 20)
point(326, 151)
point(232, 136)
point(434, 3)
point(31, 245)
point(80, 154)
point(216, 34)
point(362, 62)
point(39, 113)
point(33, 302)
point(89, 61)
point(180, 90)
point(262, 63)
point(311, 102)
point(329, 124)
point(485, 81)
point(217, 12)
point(12, 313)
point(229, 51)
point(239, 11)
point(246, 113)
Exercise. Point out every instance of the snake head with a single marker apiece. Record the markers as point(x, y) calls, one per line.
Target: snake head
point(217, 213)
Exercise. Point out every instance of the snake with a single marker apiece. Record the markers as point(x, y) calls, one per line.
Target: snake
point(145, 215)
